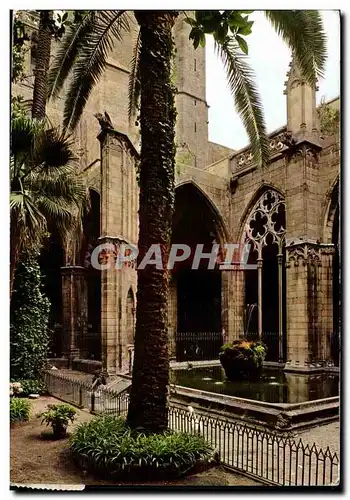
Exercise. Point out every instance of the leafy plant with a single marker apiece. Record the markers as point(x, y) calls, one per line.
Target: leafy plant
point(47, 193)
point(29, 315)
point(19, 410)
point(59, 416)
point(329, 118)
point(107, 446)
point(243, 358)
point(32, 386)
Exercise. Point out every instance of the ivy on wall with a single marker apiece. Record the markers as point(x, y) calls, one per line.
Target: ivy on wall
point(329, 119)
point(29, 316)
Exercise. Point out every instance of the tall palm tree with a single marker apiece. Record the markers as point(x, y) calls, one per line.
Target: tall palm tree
point(42, 62)
point(46, 192)
point(157, 183)
point(83, 54)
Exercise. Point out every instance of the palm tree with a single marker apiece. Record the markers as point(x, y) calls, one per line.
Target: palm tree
point(157, 190)
point(83, 54)
point(46, 192)
point(42, 62)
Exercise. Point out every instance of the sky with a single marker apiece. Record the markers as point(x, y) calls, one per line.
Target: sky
point(269, 57)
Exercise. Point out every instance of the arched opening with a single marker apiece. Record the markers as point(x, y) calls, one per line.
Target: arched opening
point(198, 291)
point(265, 286)
point(336, 277)
point(91, 232)
point(51, 260)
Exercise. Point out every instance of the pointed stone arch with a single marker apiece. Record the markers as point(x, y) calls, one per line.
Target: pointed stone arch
point(332, 205)
point(263, 225)
point(211, 204)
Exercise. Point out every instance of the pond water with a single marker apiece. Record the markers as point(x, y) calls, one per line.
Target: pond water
point(275, 385)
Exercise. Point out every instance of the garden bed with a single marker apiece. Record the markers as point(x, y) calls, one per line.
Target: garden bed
point(38, 461)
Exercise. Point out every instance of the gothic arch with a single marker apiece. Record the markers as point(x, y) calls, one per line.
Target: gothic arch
point(332, 204)
point(213, 207)
point(250, 206)
point(264, 226)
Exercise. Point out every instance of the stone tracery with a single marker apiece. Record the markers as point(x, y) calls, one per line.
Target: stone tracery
point(267, 218)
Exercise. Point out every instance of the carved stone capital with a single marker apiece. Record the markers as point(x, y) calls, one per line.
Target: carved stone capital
point(302, 145)
point(307, 253)
point(114, 138)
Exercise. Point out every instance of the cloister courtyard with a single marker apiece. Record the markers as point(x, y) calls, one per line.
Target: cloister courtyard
point(175, 303)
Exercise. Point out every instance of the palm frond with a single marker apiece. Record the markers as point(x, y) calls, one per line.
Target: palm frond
point(46, 189)
point(134, 78)
point(303, 32)
point(108, 27)
point(70, 188)
point(67, 53)
point(24, 130)
point(57, 213)
point(53, 149)
point(247, 99)
point(26, 215)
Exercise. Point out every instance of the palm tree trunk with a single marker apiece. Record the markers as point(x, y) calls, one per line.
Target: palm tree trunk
point(150, 383)
point(43, 52)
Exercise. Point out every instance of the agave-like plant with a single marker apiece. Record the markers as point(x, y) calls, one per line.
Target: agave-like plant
point(83, 56)
point(46, 192)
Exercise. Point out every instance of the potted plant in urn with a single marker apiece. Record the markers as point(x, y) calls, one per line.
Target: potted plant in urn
point(243, 359)
point(58, 416)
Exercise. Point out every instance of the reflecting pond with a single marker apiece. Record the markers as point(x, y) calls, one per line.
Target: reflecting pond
point(275, 385)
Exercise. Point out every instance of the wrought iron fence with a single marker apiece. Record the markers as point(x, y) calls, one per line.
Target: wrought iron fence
point(100, 400)
point(200, 346)
point(273, 458)
point(197, 346)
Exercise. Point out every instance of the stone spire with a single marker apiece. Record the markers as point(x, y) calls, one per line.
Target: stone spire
point(301, 103)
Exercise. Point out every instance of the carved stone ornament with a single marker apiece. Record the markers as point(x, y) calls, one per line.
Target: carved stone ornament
point(303, 254)
point(276, 146)
point(267, 218)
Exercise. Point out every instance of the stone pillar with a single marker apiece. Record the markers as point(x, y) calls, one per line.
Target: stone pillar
point(109, 314)
point(232, 303)
point(325, 304)
point(309, 316)
point(119, 207)
point(74, 311)
point(172, 318)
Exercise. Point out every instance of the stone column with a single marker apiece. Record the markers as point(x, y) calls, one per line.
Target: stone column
point(109, 317)
point(309, 288)
point(232, 303)
point(325, 303)
point(74, 311)
point(119, 206)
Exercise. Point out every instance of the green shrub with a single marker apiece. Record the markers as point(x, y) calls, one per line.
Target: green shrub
point(29, 334)
point(59, 416)
point(19, 410)
point(107, 447)
point(34, 386)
